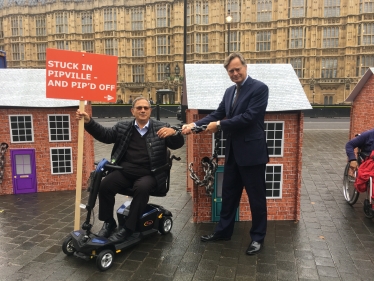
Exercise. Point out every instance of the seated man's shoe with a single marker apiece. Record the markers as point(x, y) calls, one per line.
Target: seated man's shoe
point(254, 248)
point(107, 229)
point(214, 237)
point(119, 236)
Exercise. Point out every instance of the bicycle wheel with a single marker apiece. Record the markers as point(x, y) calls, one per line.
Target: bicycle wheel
point(349, 190)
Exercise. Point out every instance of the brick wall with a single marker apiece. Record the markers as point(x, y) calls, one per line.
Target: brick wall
point(362, 113)
point(45, 180)
point(286, 208)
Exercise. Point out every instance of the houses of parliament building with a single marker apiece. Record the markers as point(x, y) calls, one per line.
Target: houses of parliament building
point(329, 43)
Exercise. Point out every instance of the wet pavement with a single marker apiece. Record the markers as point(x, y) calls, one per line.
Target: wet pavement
point(332, 241)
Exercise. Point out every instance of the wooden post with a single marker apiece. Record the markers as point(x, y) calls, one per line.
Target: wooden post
point(78, 188)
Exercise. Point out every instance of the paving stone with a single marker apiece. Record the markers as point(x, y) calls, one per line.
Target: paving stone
point(331, 241)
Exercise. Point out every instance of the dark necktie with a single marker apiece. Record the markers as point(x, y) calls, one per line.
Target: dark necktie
point(236, 95)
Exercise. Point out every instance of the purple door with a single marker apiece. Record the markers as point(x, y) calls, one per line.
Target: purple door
point(23, 170)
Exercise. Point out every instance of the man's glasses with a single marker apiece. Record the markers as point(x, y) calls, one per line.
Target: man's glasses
point(142, 107)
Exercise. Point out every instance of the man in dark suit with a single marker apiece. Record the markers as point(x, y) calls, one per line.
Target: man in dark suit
point(244, 106)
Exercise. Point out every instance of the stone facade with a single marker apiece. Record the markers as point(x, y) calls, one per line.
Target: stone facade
point(328, 42)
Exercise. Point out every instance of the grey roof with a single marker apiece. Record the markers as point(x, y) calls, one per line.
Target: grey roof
point(27, 88)
point(206, 84)
point(360, 84)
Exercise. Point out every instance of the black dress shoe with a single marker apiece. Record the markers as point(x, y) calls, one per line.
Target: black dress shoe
point(214, 237)
point(254, 248)
point(107, 229)
point(119, 236)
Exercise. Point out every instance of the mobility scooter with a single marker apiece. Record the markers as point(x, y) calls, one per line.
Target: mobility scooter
point(87, 245)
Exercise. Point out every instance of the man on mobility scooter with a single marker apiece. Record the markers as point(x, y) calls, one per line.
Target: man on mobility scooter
point(140, 146)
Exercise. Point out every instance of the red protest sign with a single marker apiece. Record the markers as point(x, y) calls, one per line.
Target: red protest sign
point(81, 76)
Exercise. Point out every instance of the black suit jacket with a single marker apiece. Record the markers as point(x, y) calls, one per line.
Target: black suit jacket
point(244, 123)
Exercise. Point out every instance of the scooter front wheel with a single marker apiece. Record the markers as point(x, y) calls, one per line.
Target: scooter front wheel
point(104, 260)
point(165, 226)
point(67, 246)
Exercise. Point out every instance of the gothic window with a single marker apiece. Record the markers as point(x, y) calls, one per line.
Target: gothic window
point(163, 45)
point(297, 9)
point(296, 37)
point(138, 73)
point(331, 8)
point(61, 22)
point(40, 26)
point(16, 25)
point(138, 47)
point(110, 19)
point(263, 41)
point(264, 10)
point(297, 64)
point(329, 68)
point(330, 37)
point(137, 19)
point(87, 22)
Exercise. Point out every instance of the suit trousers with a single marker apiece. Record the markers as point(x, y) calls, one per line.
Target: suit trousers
point(253, 179)
point(139, 189)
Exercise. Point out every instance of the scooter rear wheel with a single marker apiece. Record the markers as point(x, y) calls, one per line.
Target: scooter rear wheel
point(104, 260)
point(165, 226)
point(67, 246)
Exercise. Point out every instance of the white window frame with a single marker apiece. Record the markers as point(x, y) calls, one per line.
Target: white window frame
point(268, 166)
point(267, 131)
point(24, 135)
point(62, 128)
point(51, 149)
point(222, 141)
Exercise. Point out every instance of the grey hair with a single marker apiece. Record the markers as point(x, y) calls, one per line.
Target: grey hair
point(140, 98)
point(233, 56)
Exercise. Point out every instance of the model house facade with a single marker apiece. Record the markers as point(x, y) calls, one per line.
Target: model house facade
point(284, 133)
point(42, 136)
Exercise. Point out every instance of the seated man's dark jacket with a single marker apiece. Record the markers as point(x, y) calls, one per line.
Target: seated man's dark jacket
point(120, 135)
